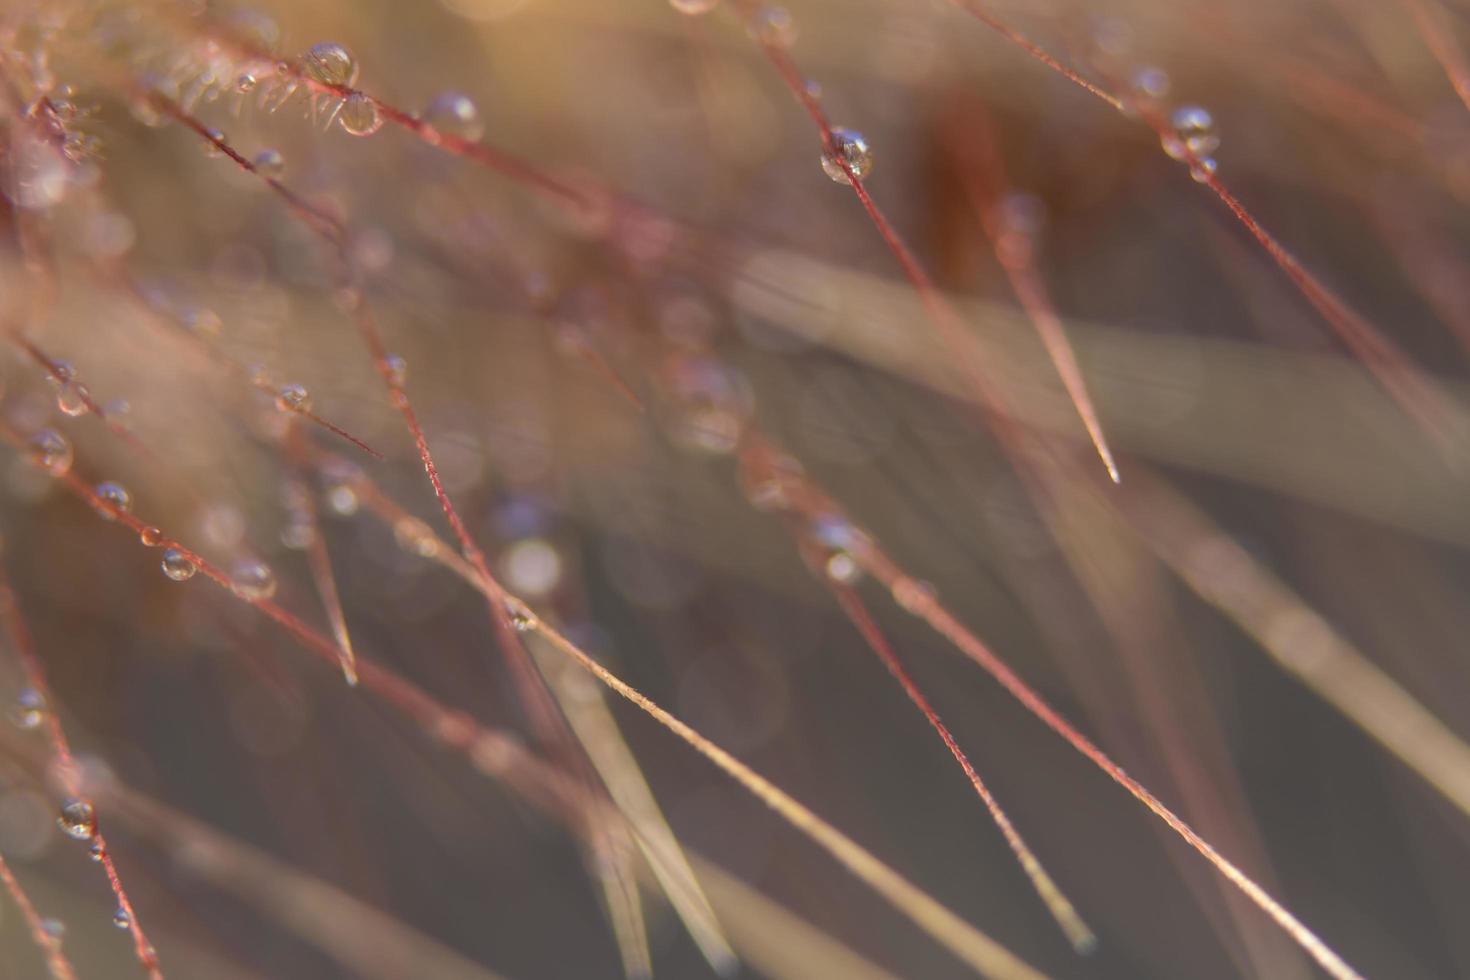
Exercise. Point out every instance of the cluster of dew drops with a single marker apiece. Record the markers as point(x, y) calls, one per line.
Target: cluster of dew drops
point(76, 817)
point(52, 452)
point(1190, 135)
point(356, 113)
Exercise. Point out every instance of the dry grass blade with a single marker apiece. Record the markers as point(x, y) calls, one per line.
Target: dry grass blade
point(961, 938)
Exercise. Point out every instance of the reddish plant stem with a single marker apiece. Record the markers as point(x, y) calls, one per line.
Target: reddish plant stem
point(941, 314)
point(1036, 51)
point(938, 618)
point(49, 945)
point(535, 698)
point(537, 701)
point(316, 554)
point(481, 154)
point(53, 368)
point(985, 182)
point(320, 221)
point(1082, 938)
point(804, 498)
point(920, 603)
point(444, 723)
point(1420, 398)
point(492, 753)
point(66, 766)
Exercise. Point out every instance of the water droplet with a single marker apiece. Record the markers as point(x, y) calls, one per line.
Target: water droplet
point(251, 579)
point(359, 115)
point(61, 372)
point(294, 398)
point(848, 145)
point(72, 398)
point(121, 919)
point(330, 63)
point(1204, 170)
point(1149, 83)
point(212, 145)
point(455, 112)
point(520, 614)
point(836, 532)
point(114, 499)
point(269, 163)
point(774, 26)
point(397, 369)
point(177, 565)
point(50, 450)
point(77, 819)
point(694, 6)
point(54, 929)
point(30, 709)
point(1194, 133)
point(96, 852)
point(246, 83)
point(151, 537)
point(415, 537)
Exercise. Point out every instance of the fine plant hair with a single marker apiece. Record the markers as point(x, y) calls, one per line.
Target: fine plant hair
point(630, 410)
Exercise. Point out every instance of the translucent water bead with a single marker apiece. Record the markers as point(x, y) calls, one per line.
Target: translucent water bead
point(30, 709)
point(294, 398)
point(72, 398)
point(50, 450)
point(359, 116)
point(77, 819)
point(115, 499)
point(177, 566)
point(1193, 132)
point(848, 145)
point(455, 113)
point(269, 163)
point(330, 63)
point(253, 580)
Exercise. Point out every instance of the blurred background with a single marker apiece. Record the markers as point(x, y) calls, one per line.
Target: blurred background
point(1264, 623)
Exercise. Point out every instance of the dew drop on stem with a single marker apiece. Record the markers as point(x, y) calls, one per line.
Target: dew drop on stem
point(77, 819)
point(847, 145)
point(330, 63)
point(251, 579)
point(29, 710)
point(177, 565)
point(51, 451)
point(359, 115)
point(454, 113)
